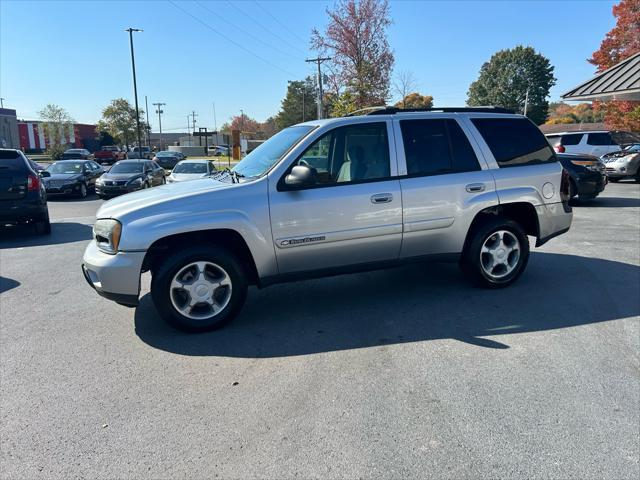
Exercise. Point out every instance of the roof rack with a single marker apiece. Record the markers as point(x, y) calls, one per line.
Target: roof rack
point(385, 110)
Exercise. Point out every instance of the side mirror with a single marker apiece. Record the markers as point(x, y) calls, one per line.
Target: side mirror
point(300, 176)
point(44, 173)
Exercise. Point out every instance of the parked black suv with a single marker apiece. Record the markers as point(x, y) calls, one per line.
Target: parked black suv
point(587, 175)
point(23, 198)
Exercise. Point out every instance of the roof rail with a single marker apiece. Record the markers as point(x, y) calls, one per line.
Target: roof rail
point(393, 110)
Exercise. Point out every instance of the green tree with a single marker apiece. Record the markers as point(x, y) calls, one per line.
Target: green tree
point(415, 100)
point(342, 105)
point(119, 120)
point(57, 125)
point(105, 138)
point(505, 79)
point(299, 104)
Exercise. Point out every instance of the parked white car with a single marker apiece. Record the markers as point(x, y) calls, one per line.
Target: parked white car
point(589, 142)
point(191, 170)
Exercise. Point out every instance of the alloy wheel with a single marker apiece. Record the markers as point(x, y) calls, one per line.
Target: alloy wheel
point(500, 254)
point(200, 290)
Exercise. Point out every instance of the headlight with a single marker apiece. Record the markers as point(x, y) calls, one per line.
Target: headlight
point(136, 181)
point(99, 181)
point(107, 234)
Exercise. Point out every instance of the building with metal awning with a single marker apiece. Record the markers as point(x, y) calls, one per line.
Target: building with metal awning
point(620, 82)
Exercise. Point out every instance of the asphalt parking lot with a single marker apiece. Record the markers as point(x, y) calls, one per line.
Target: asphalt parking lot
point(410, 372)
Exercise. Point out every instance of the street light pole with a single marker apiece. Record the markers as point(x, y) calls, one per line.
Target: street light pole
point(135, 86)
point(159, 112)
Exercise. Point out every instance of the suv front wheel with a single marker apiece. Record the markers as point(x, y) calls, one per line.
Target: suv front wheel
point(496, 254)
point(199, 288)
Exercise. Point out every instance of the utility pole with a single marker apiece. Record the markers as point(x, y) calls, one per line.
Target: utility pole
point(215, 122)
point(148, 129)
point(159, 111)
point(318, 61)
point(1, 102)
point(135, 86)
point(241, 120)
point(526, 102)
point(188, 125)
point(193, 118)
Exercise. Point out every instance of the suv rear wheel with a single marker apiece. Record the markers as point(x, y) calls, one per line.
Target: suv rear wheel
point(497, 254)
point(199, 288)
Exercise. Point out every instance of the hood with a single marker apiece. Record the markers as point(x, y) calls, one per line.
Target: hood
point(165, 194)
point(181, 177)
point(63, 176)
point(120, 176)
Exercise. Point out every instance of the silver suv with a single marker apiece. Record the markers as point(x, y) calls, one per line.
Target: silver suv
point(337, 196)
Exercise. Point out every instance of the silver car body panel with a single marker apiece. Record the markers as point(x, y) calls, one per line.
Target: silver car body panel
point(335, 225)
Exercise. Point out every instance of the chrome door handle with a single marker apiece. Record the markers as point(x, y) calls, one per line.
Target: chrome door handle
point(475, 187)
point(382, 198)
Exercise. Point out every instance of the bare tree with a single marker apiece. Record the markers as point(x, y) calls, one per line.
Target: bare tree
point(403, 85)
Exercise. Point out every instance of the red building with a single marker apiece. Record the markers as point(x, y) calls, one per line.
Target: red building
point(33, 136)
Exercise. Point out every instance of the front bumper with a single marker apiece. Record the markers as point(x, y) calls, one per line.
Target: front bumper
point(66, 189)
point(591, 183)
point(116, 277)
point(622, 170)
point(108, 190)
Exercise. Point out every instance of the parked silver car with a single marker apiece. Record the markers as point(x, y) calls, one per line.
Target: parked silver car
point(336, 196)
point(624, 163)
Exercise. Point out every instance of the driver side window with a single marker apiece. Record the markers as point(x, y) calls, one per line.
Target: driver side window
point(349, 154)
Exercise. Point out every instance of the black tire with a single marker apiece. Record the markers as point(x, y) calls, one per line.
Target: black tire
point(83, 191)
point(43, 225)
point(471, 257)
point(163, 276)
point(573, 189)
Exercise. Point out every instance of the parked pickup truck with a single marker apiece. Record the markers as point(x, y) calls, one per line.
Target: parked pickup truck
point(337, 196)
point(109, 154)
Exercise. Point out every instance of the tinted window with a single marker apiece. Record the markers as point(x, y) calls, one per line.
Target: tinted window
point(190, 167)
point(127, 167)
point(10, 160)
point(571, 139)
point(600, 139)
point(435, 147)
point(514, 141)
point(350, 154)
point(65, 167)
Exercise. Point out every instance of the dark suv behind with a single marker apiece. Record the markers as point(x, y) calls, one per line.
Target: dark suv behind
point(23, 198)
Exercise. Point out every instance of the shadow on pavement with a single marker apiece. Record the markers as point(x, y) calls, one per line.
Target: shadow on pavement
point(7, 284)
point(25, 236)
point(409, 304)
point(609, 202)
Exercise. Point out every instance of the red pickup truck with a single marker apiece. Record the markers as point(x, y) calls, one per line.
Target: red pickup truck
point(110, 154)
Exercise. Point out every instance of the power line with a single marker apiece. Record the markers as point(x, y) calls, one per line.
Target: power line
point(265, 28)
point(275, 19)
point(205, 24)
point(260, 40)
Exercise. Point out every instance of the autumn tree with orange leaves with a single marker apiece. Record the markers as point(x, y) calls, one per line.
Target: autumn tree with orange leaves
point(620, 43)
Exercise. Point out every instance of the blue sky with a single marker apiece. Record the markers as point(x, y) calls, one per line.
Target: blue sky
point(240, 54)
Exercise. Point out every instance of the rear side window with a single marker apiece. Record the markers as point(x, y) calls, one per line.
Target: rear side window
point(514, 142)
point(571, 139)
point(436, 147)
point(600, 139)
point(11, 161)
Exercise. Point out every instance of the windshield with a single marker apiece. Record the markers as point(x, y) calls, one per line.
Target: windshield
point(190, 168)
point(266, 155)
point(165, 154)
point(110, 149)
point(65, 167)
point(126, 168)
point(633, 148)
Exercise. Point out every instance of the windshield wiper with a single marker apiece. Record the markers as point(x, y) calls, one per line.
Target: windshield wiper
point(235, 176)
